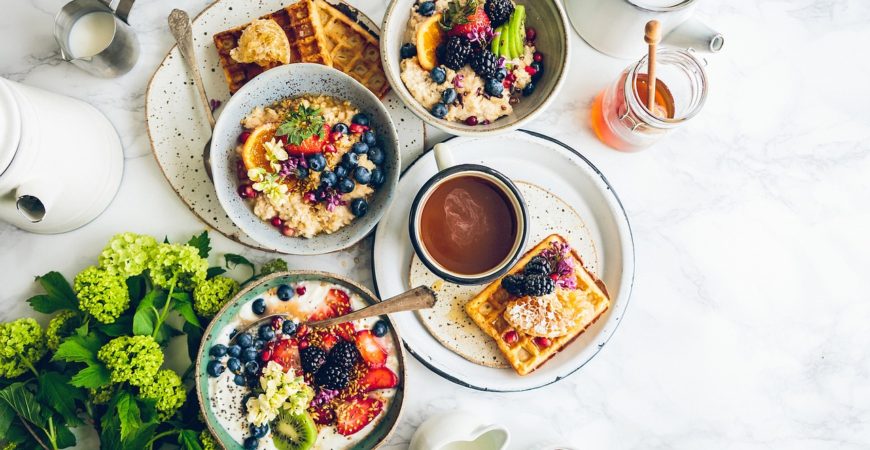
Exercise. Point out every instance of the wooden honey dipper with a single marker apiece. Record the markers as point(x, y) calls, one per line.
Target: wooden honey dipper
point(652, 36)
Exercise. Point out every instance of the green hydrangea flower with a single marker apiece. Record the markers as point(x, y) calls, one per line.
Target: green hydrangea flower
point(10, 446)
point(168, 390)
point(100, 395)
point(134, 359)
point(61, 326)
point(127, 254)
point(102, 294)
point(210, 295)
point(208, 441)
point(179, 263)
point(276, 265)
point(22, 344)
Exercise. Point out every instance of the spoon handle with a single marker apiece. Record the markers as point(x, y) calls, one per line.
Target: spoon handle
point(179, 25)
point(418, 298)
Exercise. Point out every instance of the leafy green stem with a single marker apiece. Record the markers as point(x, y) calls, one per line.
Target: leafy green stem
point(35, 434)
point(159, 436)
point(162, 316)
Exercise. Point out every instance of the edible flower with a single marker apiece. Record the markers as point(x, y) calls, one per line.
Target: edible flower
point(563, 266)
point(275, 153)
point(269, 183)
point(280, 390)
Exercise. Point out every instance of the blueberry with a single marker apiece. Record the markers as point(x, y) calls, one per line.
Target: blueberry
point(251, 367)
point(302, 173)
point(328, 179)
point(369, 138)
point(426, 8)
point(233, 333)
point(251, 443)
point(380, 328)
point(234, 351)
point(362, 175)
point(448, 96)
point(239, 380)
point(340, 172)
point(259, 306)
point(341, 128)
point(266, 332)
point(529, 89)
point(378, 177)
point(360, 148)
point(408, 50)
point(493, 87)
point(245, 399)
point(234, 365)
point(253, 381)
point(439, 110)
point(249, 354)
point(245, 340)
point(259, 432)
point(345, 185)
point(350, 159)
point(259, 344)
point(376, 155)
point(360, 119)
point(316, 162)
point(285, 292)
point(501, 74)
point(218, 350)
point(215, 368)
point(289, 327)
point(438, 75)
point(359, 207)
point(539, 70)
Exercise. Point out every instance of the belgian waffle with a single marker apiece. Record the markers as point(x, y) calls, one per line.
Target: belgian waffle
point(585, 305)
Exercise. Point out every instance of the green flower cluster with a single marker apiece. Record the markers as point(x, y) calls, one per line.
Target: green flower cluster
point(179, 264)
point(134, 359)
point(210, 295)
point(276, 265)
point(22, 345)
point(167, 389)
point(101, 395)
point(102, 294)
point(127, 254)
point(61, 326)
point(208, 441)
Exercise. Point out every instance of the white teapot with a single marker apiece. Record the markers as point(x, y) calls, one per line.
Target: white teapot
point(459, 430)
point(61, 160)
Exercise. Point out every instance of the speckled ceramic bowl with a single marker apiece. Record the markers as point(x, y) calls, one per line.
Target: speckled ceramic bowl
point(549, 20)
point(294, 80)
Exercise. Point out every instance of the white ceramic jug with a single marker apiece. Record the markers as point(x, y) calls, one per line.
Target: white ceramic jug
point(61, 160)
point(459, 430)
point(616, 27)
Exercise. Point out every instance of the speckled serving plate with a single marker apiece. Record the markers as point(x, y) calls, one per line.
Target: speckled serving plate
point(377, 437)
point(178, 129)
point(568, 180)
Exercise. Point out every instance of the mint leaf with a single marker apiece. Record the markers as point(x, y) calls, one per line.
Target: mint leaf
point(23, 403)
point(77, 348)
point(189, 440)
point(202, 243)
point(128, 413)
point(55, 391)
point(145, 317)
point(93, 376)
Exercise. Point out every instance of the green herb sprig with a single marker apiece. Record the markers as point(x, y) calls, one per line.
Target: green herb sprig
point(301, 124)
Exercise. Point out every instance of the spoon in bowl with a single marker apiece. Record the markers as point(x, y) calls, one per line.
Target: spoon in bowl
point(179, 25)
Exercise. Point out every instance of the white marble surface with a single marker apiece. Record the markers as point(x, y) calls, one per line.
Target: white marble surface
point(749, 322)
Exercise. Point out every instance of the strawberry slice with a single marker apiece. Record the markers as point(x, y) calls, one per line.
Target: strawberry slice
point(328, 341)
point(356, 413)
point(345, 331)
point(322, 415)
point(478, 23)
point(372, 353)
point(323, 311)
point(339, 301)
point(380, 378)
point(309, 146)
point(286, 353)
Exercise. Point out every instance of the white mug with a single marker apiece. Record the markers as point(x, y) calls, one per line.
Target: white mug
point(616, 27)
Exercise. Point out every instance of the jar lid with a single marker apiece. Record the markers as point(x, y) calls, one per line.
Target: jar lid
point(10, 125)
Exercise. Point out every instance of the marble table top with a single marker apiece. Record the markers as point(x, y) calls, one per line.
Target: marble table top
point(748, 326)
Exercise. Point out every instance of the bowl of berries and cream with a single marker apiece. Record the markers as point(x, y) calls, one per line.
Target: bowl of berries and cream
point(267, 380)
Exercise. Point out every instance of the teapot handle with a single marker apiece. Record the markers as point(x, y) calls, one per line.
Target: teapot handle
point(34, 199)
point(122, 10)
point(696, 35)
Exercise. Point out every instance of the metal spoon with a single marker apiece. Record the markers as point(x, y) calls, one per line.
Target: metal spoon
point(418, 298)
point(179, 25)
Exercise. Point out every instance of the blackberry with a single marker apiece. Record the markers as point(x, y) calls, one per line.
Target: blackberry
point(485, 63)
point(332, 377)
point(538, 265)
point(514, 285)
point(499, 11)
point(312, 358)
point(455, 52)
point(344, 354)
point(538, 285)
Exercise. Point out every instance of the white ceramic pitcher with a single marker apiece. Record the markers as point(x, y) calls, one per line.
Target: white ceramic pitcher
point(459, 430)
point(61, 160)
point(615, 27)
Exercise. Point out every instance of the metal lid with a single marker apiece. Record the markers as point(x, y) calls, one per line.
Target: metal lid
point(10, 125)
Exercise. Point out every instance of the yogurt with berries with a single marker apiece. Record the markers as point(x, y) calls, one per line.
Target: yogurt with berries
point(284, 385)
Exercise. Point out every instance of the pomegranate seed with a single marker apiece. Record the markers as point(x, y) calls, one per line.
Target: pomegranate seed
point(554, 276)
point(511, 77)
point(241, 171)
point(485, 122)
point(356, 128)
point(531, 70)
point(511, 337)
point(542, 342)
point(246, 191)
point(277, 322)
point(531, 34)
point(538, 56)
point(336, 135)
point(329, 148)
point(303, 345)
point(277, 222)
point(302, 330)
point(472, 120)
point(287, 230)
point(266, 355)
point(244, 137)
point(507, 83)
point(300, 290)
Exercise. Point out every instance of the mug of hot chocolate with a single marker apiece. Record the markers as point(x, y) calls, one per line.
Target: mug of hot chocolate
point(468, 223)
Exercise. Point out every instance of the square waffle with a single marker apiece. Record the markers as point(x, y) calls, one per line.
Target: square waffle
point(586, 304)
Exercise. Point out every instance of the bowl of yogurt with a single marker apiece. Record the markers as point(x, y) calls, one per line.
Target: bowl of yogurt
point(266, 380)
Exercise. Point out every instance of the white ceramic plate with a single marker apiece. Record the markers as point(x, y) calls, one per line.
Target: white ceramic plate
point(178, 129)
point(562, 171)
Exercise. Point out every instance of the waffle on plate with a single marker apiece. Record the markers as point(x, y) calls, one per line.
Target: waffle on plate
point(530, 330)
point(318, 33)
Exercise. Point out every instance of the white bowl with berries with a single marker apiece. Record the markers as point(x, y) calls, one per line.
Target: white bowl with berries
point(474, 67)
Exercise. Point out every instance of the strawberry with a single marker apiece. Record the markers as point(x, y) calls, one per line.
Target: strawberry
point(345, 330)
point(286, 353)
point(356, 413)
point(465, 19)
point(322, 415)
point(309, 146)
point(339, 301)
point(380, 378)
point(323, 311)
point(328, 341)
point(372, 353)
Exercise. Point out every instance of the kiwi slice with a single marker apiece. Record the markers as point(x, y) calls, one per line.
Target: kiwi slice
point(293, 432)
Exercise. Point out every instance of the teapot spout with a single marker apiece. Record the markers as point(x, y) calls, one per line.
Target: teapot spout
point(696, 35)
point(33, 199)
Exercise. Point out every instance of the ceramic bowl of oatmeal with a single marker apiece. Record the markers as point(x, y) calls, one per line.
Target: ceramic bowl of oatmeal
point(305, 159)
point(475, 67)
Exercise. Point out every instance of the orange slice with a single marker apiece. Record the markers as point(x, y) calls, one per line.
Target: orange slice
point(429, 37)
point(254, 152)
